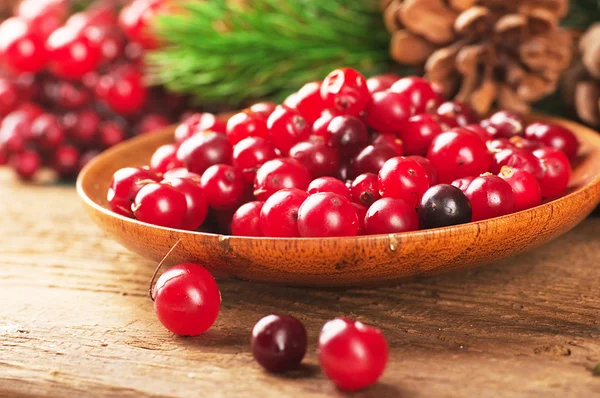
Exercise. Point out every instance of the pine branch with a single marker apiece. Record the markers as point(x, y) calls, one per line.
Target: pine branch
point(582, 13)
point(225, 52)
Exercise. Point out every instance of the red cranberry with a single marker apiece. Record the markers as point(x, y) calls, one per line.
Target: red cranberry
point(279, 215)
point(9, 97)
point(555, 136)
point(244, 124)
point(246, 220)
point(278, 342)
point(160, 204)
point(251, 153)
point(26, 164)
point(203, 150)
point(432, 173)
point(278, 174)
point(3, 156)
point(490, 197)
point(136, 20)
point(112, 45)
point(517, 158)
point(187, 299)
point(287, 128)
point(126, 92)
point(442, 206)
point(71, 53)
point(327, 214)
point(328, 184)
point(390, 140)
point(423, 95)
point(152, 123)
point(418, 133)
point(21, 49)
point(391, 215)
point(321, 125)
point(388, 112)
point(522, 143)
point(223, 185)
point(458, 153)
point(180, 172)
point(347, 134)
point(505, 124)
point(66, 161)
point(361, 212)
point(456, 114)
point(198, 123)
point(403, 178)
point(498, 144)
point(30, 110)
point(370, 160)
point(45, 16)
point(71, 96)
point(197, 203)
point(320, 159)
point(485, 134)
point(557, 172)
point(125, 185)
point(346, 91)
point(308, 102)
point(352, 354)
point(263, 109)
point(165, 159)
point(365, 189)
point(83, 126)
point(48, 132)
point(111, 133)
point(463, 183)
point(527, 190)
point(381, 82)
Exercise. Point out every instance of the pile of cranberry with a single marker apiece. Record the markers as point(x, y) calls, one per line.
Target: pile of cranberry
point(347, 156)
point(71, 86)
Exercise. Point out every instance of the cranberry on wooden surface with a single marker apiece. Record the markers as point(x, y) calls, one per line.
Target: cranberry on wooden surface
point(187, 299)
point(287, 128)
point(319, 158)
point(423, 95)
point(278, 174)
point(555, 136)
point(352, 355)
point(246, 220)
point(347, 134)
point(365, 189)
point(308, 102)
point(197, 123)
point(160, 204)
point(279, 214)
point(203, 150)
point(71, 54)
point(458, 153)
point(278, 342)
point(442, 206)
point(490, 197)
point(456, 114)
point(26, 163)
point(197, 203)
point(327, 214)
point(403, 178)
point(371, 159)
point(381, 82)
point(345, 90)
point(390, 140)
point(391, 215)
point(388, 112)
point(21, 49)
point(251, 153)
point(525, 186)
point(125, 185)
point(223, 185)
point(66, 161)
point(418, 133)
point(557, 172)
point(245, 124)
point(328, 184)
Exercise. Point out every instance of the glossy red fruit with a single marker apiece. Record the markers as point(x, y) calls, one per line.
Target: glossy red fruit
point(152, 123)
point(458, 153)
point(160, 204)
point(388, 112)
point(251, 153)
point(137, 20)
point(485, 134)
point(223, 185)
point(47, 132)
point(526, 188)
point(498, 144)
point(505, 124)
point(71, 54)
point(463, 183)
point(181, 172)
point(555, 136)
point(245, 124)
point(279, 215)
point(165, 159)
point(403, 178)
point(365, 189)
point(66, 161)
point(308, 102)
point(347, 134)
point(381, 82)
point(198, 123)
point(278, 342)
point(490, 197)
point(361, 212)
point(345, 90)
point(432, 173)
point(418, 133)
point(557, 172)
point(246, 220)
point(71, 96)
point(83, 126)
point(26, 164)
point(391, 215)
point(9, 97)
point(456, 114)
point(21, 49)
point(287, 128)
point(197, 203)
point(390, 140)
point(423, 95)
point(126, 92)
point(327, 214)
point(319, 127)
point(526, 144)
point(111, 133)
point(111, 43)
point(319, 158)
point(44, 16)
point(203, 150)
point(352, 355)
point(263, 109)
point(328, 184)
point(125, 185)
point(370, 160)
point(278, 174)
point(187, 299)
point(519, 159)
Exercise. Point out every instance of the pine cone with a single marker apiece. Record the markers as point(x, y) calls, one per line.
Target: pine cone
point(508, 52)
point(581, 83)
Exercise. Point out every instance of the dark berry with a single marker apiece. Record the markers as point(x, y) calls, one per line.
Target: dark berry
point(278, 342)
point(442, 206)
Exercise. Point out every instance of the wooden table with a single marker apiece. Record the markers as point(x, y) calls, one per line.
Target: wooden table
point(75, 320)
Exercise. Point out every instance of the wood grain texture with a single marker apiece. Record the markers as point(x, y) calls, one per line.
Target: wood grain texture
point(353, 261)
point(75, 320)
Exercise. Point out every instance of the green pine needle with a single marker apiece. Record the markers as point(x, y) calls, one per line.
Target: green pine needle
point(223, 52)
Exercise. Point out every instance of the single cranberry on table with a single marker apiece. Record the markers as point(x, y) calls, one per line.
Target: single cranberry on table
point(187, 299)
point(66, 161)
point(403, 178)
point(251, 153)
point(203, 150)
point(456, 114)
point(352, 355)
point(391, 215)
point(347, 134)
point(345, 90)
point(388, 112)
point(365, 189)
point(224, 186)
point(458, 153)
point(328, 184)
point(111, 133)
point(279, 214)
point(557, 172)
point(278, 342)
point(423, 95)
point(26, 163)
point(519, 159)
point(287, 128)
point(246, 220)
point(504, 124)
point(381, 82)
point(555, 136)
point(21, 48)
point(137, 20)
point(197, 203)
point(319, 158)
point(443, 205)
point(370, 160)
point(160, 204)
point(418, 133)
point(327, 214)
point(278, 174)
point(525, 186)
point(246, 124)
point(390, 140)
point(308, 102)
point(490, 197)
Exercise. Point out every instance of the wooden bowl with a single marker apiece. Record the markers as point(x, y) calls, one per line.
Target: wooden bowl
point(343, 261)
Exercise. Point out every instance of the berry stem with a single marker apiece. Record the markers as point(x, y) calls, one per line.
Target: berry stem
point(159, 266)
